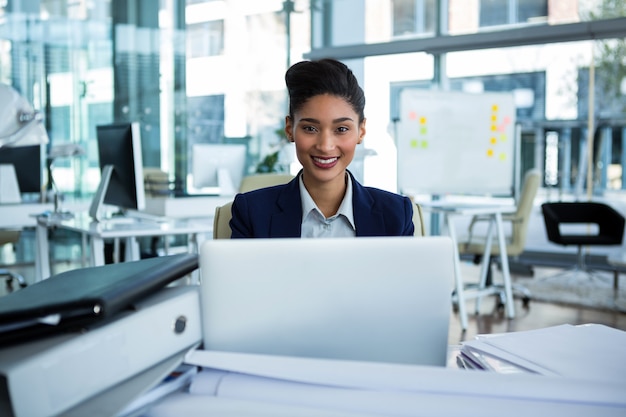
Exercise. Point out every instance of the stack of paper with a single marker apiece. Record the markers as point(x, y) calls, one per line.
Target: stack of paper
point(242, 382)
point(590, 351)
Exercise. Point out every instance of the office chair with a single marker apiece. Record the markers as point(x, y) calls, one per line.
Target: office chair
point(609, 223)
point(516, 241)
point(221, 226)
point(10, 237)
point(254, 182)
point(157, 183)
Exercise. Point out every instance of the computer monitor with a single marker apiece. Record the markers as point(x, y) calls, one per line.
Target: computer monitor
point(216, 168)
point(27, 163)
point(120, 158)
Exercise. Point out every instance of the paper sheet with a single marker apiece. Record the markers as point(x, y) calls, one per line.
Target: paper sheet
point(415, 381)
point(589, 351)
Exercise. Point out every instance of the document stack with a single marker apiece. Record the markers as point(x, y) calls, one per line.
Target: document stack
point(590, 352)
point(259, 385)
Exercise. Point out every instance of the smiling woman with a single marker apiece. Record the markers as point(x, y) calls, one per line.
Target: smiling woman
point(326, 122)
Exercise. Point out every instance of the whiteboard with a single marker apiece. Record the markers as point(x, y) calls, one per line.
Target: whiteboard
point(456, 143)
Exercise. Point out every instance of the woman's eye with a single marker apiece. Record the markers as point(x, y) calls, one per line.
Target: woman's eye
point(342, 129)
point(309, 128)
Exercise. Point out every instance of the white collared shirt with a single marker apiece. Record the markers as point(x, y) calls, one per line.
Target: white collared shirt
point(314, 224)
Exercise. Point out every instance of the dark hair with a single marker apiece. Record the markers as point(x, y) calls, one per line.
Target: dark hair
point(307, 79)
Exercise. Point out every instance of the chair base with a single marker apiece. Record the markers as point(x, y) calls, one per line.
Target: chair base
point(10, 277)
point(497, 290)
point(577, 275)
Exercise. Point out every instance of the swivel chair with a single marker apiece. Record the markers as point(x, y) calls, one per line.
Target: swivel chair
point(608, 229)
point(516, 240)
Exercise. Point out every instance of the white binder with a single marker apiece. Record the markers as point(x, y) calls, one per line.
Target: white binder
point(53, 375)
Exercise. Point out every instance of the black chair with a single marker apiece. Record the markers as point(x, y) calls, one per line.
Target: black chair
point(609, 224)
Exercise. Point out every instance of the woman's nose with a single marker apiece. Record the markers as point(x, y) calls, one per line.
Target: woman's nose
point(326, 141)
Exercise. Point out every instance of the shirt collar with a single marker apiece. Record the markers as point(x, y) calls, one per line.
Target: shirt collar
point(345, 209)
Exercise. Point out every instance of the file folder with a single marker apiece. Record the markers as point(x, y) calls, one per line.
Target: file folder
point(66, 372)
point(70, 300)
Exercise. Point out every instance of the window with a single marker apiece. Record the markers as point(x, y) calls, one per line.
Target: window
point(507, 12)
point(411, 17)
point(205, 39)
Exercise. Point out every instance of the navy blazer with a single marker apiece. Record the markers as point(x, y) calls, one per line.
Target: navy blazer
point(277, 212)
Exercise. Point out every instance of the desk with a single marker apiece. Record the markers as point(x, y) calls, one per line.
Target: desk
point(494, 213)
point(19, 215)
point(127, 228)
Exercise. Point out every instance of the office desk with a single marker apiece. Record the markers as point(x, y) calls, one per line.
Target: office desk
point(494, 213)
point(127, 228)
point(19, 215)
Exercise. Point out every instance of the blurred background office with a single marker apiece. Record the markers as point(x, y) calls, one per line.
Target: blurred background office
point(212, 71)
point(193, 72)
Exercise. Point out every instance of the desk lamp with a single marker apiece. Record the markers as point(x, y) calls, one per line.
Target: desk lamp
point(20, 125)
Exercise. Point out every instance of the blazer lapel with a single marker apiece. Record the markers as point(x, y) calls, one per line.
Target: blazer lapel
point(286, 221)
point(368, 220)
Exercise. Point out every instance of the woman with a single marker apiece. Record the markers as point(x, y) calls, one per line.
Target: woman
point(326, 122)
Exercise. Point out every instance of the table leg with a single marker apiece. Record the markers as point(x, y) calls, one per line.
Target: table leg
point(458, 279)
point(132, 250)
point(504, 260)
point(116, 250)
point(485, 265)
point(83, 248)
point(97, 251)
point(42, 257)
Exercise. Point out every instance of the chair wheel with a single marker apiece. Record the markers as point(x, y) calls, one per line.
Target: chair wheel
point(525, 301)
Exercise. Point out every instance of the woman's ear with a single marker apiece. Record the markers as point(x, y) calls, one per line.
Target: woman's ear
point(289, 129)
point(361, 131)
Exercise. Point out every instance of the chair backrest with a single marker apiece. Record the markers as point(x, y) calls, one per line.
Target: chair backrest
point(254, 182)
point(609, 221)
point(221, 221)
point(9, 236)
point(519, 221)
point(156, 182)
point(221, 226)
point(521, 217)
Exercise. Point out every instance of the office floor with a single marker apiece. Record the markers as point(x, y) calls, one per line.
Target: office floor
point(537, 315)
point(490, 320)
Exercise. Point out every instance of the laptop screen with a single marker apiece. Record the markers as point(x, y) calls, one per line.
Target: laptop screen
point(382, 299)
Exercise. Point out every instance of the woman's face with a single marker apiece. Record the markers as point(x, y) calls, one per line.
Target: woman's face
point(326, 131)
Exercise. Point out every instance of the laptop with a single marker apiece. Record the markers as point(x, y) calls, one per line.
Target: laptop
point(380, 299)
